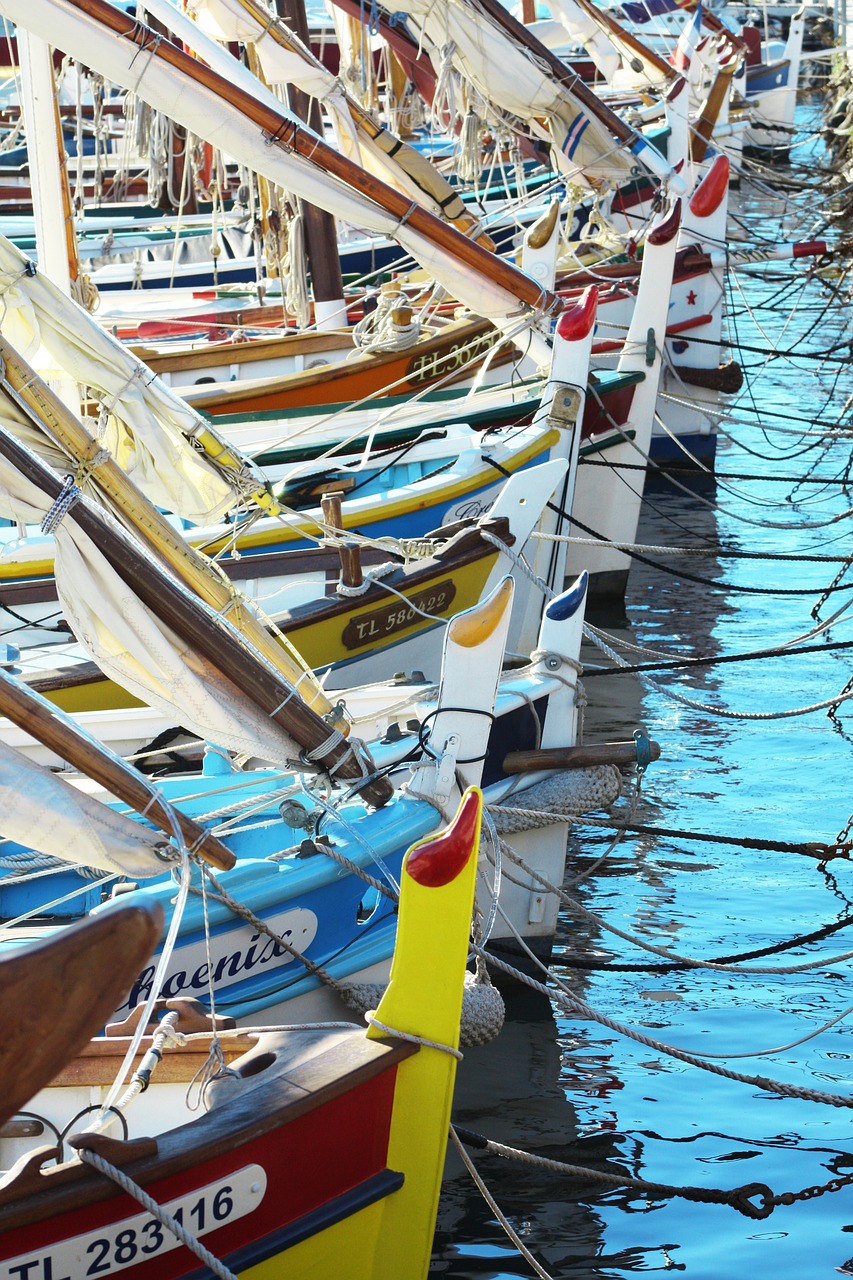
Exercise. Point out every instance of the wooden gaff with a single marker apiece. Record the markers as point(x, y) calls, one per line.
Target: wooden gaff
point(214, 638)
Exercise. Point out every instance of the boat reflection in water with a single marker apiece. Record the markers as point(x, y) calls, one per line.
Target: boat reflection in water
point(518, 1091)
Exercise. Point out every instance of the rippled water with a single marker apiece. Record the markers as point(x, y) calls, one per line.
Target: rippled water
point(569, 1088)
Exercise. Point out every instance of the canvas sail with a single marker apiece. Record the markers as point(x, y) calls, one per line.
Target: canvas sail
point(62, 822)
point(286, 61)
point(129, 642)
point(205, 107)
point(516, 82)
point(622, 61)
point(148, 429)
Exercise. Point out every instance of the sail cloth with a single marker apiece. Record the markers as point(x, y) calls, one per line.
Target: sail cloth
point(130, 644)
point(62, 822)
point(148, 429)
point(285, 60)
point(510, 77)
point(206, 109)
point(581, 28)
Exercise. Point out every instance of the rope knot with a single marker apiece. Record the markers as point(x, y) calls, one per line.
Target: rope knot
point(741, 1198)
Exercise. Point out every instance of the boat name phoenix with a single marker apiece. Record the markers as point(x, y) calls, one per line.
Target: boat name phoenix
point(298, 928)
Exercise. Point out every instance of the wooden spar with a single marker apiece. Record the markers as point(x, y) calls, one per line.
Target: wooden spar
point(558, 69)
point(703, 128)
point(57, 731)
point(197, 625)
point(287, 134)
point(423, 174)
point(604, 19)
point(624, 753)
point(49, 414)
point(321, 238)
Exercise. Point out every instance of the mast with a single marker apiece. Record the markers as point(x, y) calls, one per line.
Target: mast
point(56, 242)
point(320, 232)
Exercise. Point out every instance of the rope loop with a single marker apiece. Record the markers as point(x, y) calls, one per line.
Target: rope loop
point(421, 1041)
point(68, 496)
point(741, 1198)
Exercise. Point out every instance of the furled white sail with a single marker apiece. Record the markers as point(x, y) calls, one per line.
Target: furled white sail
point(62, 822)
point(286, 61)
point(511, 77)
point(208, 111)
point(148, 429)
point(130, 644)
point(581, 28)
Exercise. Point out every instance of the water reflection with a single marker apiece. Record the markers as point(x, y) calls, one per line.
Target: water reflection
point(570, 1088)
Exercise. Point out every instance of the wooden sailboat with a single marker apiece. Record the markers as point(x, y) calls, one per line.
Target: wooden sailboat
point(367, 1112)
point(300, 892)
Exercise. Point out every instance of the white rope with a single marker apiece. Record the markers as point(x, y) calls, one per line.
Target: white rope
point(413, 1039)
point(334, 739)
point(370, 580)
point(379, 331)
point(709, 708)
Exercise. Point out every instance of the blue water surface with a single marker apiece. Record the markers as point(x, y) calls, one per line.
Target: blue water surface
point(565, 1086)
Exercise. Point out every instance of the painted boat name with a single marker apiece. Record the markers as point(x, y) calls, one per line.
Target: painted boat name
point(397, 615)
point(298, 927)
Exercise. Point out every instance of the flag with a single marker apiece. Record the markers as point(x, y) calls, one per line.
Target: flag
point(646, 9)
point(688, 41)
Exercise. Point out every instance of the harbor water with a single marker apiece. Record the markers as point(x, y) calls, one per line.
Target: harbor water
point(567, 1087)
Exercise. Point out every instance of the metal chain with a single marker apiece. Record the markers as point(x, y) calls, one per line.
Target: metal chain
point(833, 586)
point(740, 1198)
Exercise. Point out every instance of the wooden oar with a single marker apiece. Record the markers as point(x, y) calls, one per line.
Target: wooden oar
point(56, 994)
point(199, 626)
point(56, 730)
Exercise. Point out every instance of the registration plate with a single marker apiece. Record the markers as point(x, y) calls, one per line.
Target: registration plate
point(138, 1239)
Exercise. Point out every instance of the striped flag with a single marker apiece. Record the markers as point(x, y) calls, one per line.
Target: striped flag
point(688, 41)
point(643, 10)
